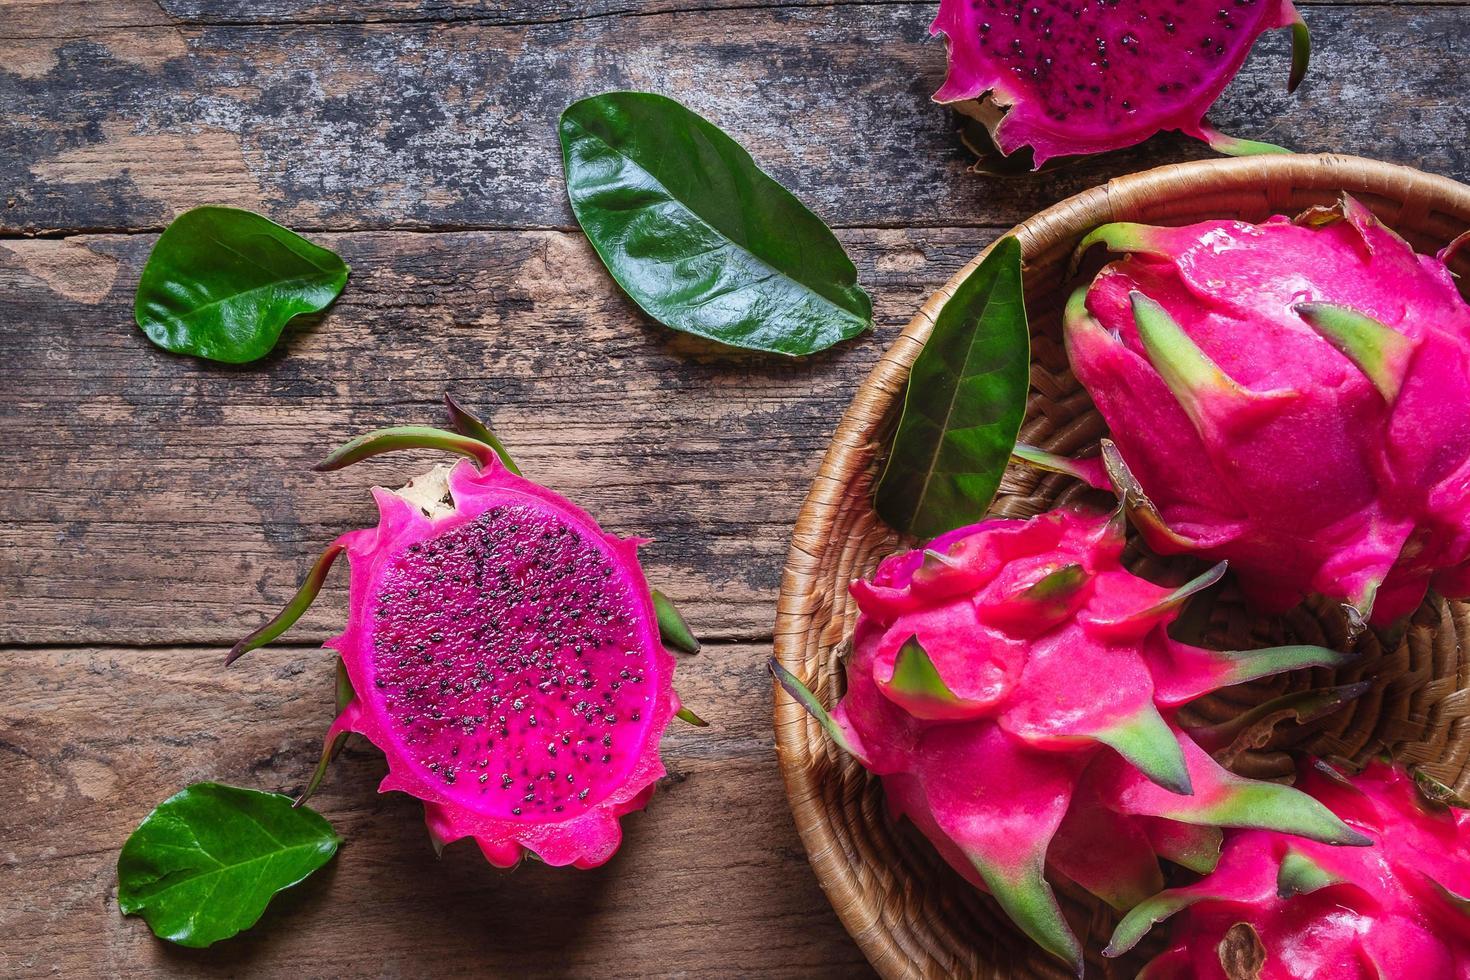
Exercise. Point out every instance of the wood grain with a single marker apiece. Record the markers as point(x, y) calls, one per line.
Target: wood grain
point(157, 507)
point(156, 499)
point(711, 880)
point(451, 125)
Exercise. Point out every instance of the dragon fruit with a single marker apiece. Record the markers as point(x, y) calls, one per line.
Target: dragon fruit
point(1069, 77)
point(502, 651)
point(1015, 688)
point(1293, 397)
point(1278, 908)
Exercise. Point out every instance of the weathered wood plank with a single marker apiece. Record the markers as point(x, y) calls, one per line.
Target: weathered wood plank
point(78, 18)
point(157, 499)
point(452, 125)
point(711, 880)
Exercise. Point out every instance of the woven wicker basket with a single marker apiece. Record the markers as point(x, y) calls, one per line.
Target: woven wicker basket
point(909, 912)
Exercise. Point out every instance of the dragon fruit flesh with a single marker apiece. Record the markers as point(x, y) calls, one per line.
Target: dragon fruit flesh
point(502, 651)
point(1015, 688)
point(1280, 908)
point(1293, 397)
point(1070, 77)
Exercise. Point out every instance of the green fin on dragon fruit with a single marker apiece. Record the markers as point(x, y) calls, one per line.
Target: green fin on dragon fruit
point(1017, 691)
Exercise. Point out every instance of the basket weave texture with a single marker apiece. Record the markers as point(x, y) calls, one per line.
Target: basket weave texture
point(912, 915)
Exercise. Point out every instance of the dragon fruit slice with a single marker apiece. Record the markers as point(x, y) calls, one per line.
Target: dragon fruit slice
point(1281, 908)
point(1015, 688)
point(1070, 77)
point(1293, 397)
point(502, 651)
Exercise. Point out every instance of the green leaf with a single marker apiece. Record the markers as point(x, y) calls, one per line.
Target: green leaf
point(204, 865)
point(672, 627)
point(965, 402)
point(221, 283)
point(698, 235)
point(916, 680)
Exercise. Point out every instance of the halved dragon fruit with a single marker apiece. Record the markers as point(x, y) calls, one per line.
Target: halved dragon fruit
point(503, 652)
point(1015, 688)
point(1279, 908)
point(1293, 397)
point(1070, 77)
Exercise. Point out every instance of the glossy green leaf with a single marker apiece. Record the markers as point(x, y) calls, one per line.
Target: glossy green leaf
point(965, 402)
point(204, 865)
point(221, 283)
point(698, 235)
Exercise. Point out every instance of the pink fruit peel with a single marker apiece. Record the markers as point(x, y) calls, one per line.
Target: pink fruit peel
point(502, 651)
point(1291, 397)
point(1016, 690)
point(1071, 77)
point(1395, 909)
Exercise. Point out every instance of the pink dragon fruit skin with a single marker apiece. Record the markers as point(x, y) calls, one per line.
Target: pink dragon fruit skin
point(1391, 910)
point(504, 655)
point(1085, 76)
point(1016, 690)
point(1293, 397)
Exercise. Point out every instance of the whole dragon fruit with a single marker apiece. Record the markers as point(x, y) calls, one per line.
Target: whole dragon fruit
point(1016, 690)
point(502, 651)
point(1279, 908)
point(1293, 397)
point(1069, 77)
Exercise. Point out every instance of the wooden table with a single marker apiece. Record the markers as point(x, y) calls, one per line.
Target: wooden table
point(156, 508)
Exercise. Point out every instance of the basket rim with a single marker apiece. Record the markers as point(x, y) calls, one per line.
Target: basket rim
point(1275, 178)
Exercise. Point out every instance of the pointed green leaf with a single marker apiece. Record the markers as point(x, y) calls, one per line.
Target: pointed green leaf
point(1188, 371)
point(690, 718)
point(1189, 846)
point(1052, 596)
point(916, 678)
point(330, 751)
point(1122, 236)
point(343, 687)
point(1027, 898)
point(1378, 350)
point(1266, 806)
point(1191, 672)
point(808, 700)
point(1458, 902)
point(1234, 146)
point(310, 587)
point(204, 865)
point(1174, 599)
point(1146, 740)
point(672, 626)
point(468, 424)
point(1087, 470)
point(1299, 874)
point(221, 283)
point(698, 235)
point(1223, 799)
point(1137, 923)
point(1301, 53)
point(1249, 665)
point(399, 437)
point(965, 401)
